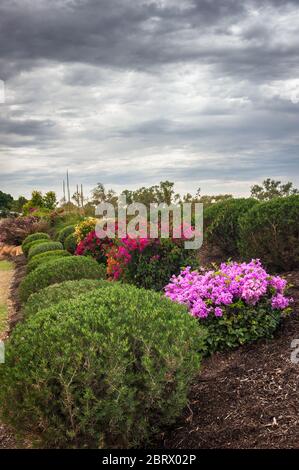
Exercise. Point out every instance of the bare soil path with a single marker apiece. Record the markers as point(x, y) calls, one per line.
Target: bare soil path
point(6, 273)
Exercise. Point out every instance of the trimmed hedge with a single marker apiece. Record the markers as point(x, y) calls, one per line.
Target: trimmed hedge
point(70, 243)
point(42, 258)
point(108, 369)
point(27, 246)
point(36, 236)
point(56, 293)
point(64, 233)
point(50, 246)
point(223, 220)
point(59, 270)
point(270, 231)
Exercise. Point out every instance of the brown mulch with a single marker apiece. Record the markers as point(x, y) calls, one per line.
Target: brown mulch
point(248, 398)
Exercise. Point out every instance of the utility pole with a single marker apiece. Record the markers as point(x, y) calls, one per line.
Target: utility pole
point(68, 186)
point(82, 198)
point(64, 199)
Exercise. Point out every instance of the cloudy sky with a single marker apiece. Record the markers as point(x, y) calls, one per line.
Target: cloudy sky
point(200, 92)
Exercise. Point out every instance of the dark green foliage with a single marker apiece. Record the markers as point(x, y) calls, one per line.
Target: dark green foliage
point(70, 243)
point(59, 221)
point(37, 260)
point(27, 246)
point(35, 236)
point(36, 250)
point(6, 201)
point(270, 231)
point(59, 270)
point(64, 233)
point(153, 267)
point(223, 224)
point(56, 293)
point(108, 369)
point(271, 189)
point(240, 324)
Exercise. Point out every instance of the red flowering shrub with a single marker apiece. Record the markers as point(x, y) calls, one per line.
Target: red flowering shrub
point(148, 262)
point(93, 246)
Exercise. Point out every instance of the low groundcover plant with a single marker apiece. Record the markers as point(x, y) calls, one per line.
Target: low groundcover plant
point(240, 302)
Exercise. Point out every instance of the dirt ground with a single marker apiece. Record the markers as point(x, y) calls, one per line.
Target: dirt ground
point(6, 273)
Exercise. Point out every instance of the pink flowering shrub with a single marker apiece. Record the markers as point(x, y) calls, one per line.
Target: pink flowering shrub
point(119, 255)
point(147, 262)
point(142, 261)
point(238, 303)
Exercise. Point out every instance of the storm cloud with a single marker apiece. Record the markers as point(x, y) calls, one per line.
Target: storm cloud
point(204, 93)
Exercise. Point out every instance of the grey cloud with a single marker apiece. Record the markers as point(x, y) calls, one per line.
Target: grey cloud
point(128, 92)
point(135, 35)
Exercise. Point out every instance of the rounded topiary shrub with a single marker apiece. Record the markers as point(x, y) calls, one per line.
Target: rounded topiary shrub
point(42, 258)
point(270, 231)
point(59, 270)
point(31, 244)
point(223, 229)
point(105, 370)
point(70, 243)
point(56, 293)
point(36, 236)
point(42, 248)
point(64, 233)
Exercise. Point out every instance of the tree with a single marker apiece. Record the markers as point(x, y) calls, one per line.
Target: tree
point(36, 199)
point(6, 201)
point(18, 204)
point(77, 198)
point(50, 200)
point(208, 200)
point(98, 194)
point(271, 189)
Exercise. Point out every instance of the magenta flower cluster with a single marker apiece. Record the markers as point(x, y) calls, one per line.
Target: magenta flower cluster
point(207, 293)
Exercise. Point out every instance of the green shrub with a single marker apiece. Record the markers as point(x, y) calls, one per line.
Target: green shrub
point(37, 260)
point(270, 231)
point(50, 246)
point(70, 243)
point(26, 248)
point(36, 236)
point(64, 219)
point(56, 293)
point(105, 370)
point(59, 270)
point(223, 224)
point(64, 233)
point(240, 325)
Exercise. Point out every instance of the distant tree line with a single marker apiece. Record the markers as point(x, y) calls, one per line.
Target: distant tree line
point(163, 192)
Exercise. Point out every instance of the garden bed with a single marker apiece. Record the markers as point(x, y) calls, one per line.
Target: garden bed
point(247, 398)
